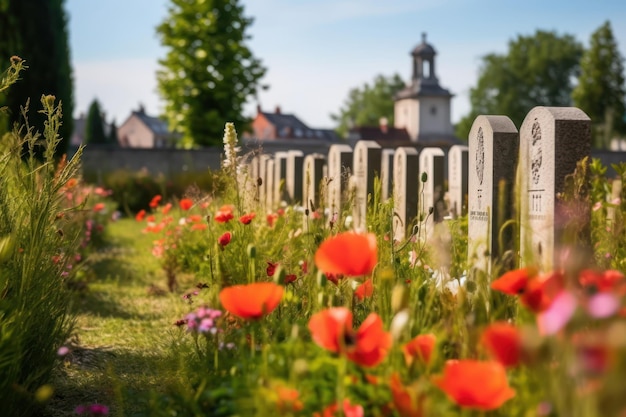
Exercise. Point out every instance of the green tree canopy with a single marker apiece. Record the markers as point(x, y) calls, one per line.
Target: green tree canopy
point(94, 125)
point(208, 73)
point(365, 105)
point(600, 91)
point(36, 31)
point(537, 70)
point(112, 136)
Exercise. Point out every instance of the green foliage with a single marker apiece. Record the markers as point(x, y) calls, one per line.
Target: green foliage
point(36, 31)
point(112, 138)
point(208, 73)
point(94, 125)
point(537, 70)
point(366, 105)
point(600, 91)
point(36, 243)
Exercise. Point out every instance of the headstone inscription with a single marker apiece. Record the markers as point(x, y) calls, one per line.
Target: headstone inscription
point(552, 141)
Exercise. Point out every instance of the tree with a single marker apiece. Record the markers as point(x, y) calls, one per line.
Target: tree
point(208, 73)
point(94, 125)
point(112, 137)
point(36, 31)
point(538, 70)
point(600, 91)
point(365, 106)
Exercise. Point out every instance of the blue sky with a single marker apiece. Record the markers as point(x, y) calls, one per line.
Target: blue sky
point(317, 50)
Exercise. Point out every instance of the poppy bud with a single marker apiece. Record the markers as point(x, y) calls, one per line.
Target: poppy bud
point(424, 177)
point(251, 251)
point(7, 245)
point(279, 275)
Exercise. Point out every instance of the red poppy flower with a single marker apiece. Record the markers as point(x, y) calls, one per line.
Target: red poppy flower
point(289, 278)
point(607, 281)
point(224, 214)
point(185, 204)
point(535, 292)
point(271, 268)
point(475, 384)
point(334, 278)
point(514, 282)
point(503, 341)
point(364, 290)
point(247, 218)
point(98, 207)
point(288, 400)
point(166, 208)
point(271, 219)
point(349, 410)
point(199, 226)
point(332, 330)
point(154, 203)
point(406, 400)
point(224, 239)
point(140, 215)
point(348, 253)
point(420, 348)
point(251, 301)
point(195, 218)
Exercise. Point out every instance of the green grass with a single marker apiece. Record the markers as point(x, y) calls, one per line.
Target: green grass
point(124, 334)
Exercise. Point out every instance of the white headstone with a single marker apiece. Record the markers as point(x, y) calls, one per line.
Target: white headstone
point(386, 173)
point(339, 171)
point(313, 173)
point(405, 190)
point(457, 179)
point(270, 201)
point(552, 141)
point(493, 151)
point(366, 165)
point(280, 177)
point(432, 207)
point(295, 165)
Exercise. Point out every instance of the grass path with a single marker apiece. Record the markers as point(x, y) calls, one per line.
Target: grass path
point(124, 333)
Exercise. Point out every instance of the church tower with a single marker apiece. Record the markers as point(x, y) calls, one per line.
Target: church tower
point(423, 107)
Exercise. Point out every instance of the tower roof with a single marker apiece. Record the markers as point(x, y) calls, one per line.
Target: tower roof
point(424, 48)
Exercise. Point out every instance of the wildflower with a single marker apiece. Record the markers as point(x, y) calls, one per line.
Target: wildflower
point(289, 278)
point(154, 203)
point(271, 219)
point(98, 207)
point(349, 410)
point(63, 350)
point(224, 214)
point(348, 253)
point(503, 342)
point(71, 183)
point(331, 329)
point(514, 282)
point(271, 268)
point(288, 400)
point(199, 226)
point(185, 204)
point(475, 384)
point(419, 348)
point(166, 208)
point(558, 314)
point(230, 146)
point(334, 278)
point(536, 292)
point(365, 290)
point(224, 239)
point(247, 218)
point(203, 320)
point(140, 215)
point(251, 301)
point(92, 410)
point(406, 400)
point(607, 281)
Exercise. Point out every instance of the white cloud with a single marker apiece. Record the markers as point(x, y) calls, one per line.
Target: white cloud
point(119, 85)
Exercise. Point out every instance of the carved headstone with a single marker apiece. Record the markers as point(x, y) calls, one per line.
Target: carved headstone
point(457, 179)
point(366, 165)
point(405, 190)
point(294, 180)
point(493, 151)
point(552, 141)
point(339, 171)
point(386, 173)
point(432, 207)
point(313, 173)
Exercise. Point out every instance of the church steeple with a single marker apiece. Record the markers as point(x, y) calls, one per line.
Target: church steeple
point(424, 61)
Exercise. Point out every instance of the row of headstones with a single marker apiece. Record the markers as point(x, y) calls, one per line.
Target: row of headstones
point(405, 174)
point(483, 179)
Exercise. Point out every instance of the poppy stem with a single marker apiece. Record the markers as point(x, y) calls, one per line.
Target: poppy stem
point(341, 375)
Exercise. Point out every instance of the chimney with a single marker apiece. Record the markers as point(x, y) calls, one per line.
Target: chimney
point(258, 109)
point(383, 123)
point(277, 111)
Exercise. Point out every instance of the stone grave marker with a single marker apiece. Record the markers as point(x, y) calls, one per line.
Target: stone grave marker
point(552, 141)
point(295, 165)
point(262, 179)
point(339, 171)
point(457, 180)
point(431, 162)
point(280, 177)
point(386, 173)
point(493, 151)
point(313, 174)
point(405, 190)
point(366, 165)
point(269, 186)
